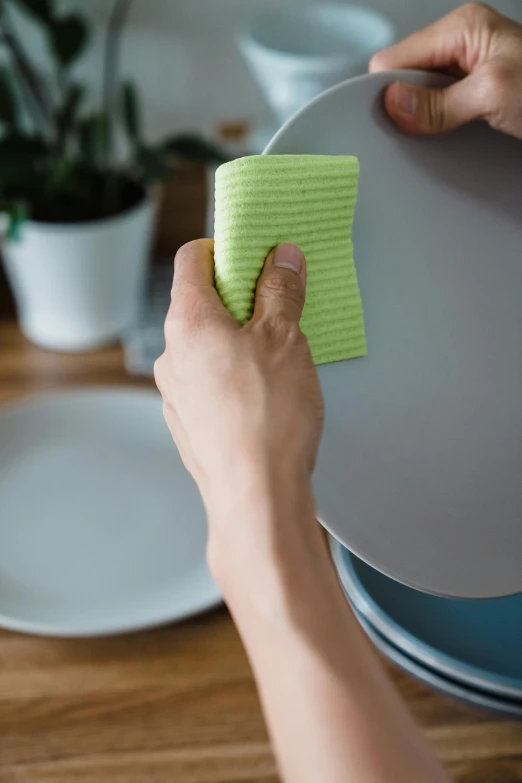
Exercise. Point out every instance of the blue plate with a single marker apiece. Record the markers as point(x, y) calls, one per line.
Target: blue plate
point(478, 642)
point(507, 708)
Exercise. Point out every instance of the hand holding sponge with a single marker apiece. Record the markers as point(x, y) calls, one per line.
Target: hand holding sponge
point(264, 200)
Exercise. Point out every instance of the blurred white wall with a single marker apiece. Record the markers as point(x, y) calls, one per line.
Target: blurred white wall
point(182, 54)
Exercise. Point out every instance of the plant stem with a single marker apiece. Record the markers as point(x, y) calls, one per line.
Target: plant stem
point(118, 17)
point(120, 11)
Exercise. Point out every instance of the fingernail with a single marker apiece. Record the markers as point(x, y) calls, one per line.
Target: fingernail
point(289, 256)
point(405, 99)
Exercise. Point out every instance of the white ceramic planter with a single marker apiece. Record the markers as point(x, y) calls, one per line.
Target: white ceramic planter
point(77, 286)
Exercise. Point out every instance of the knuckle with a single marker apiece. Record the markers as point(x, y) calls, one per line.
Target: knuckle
point(188, 251)
point(187, 256)
point(274, 330)
point(159, 370)
point(197, 312)
point(494, 88)
point(376, 63)
point(435, 110)
point(278, 331)
point(188, 313)
point(295, 336)
point(477, 13)
point(286, 287)
point(175, 327)
point(494, 82)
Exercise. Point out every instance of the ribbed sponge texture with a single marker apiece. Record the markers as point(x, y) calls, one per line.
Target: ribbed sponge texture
point(263, 200)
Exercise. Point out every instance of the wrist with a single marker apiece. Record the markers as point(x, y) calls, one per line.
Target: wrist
point(256, 521)
point(254, 478)
point(255, 497)
point(269, 555)
point(262, 509)
point(294, 594)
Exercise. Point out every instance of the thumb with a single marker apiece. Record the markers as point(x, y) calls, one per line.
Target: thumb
point(281, 288)
point(424, 110)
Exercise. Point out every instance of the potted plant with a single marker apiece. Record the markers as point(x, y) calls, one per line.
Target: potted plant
point(76, 185)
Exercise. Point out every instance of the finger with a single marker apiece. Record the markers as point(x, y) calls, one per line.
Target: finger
point(426, 111)
point(437, 46)
point(194, 264)
point(193, 289)
point(281, 288)
point(450, 41)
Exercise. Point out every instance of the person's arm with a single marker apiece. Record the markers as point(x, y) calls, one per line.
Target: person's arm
point(474, 42)
point(333, 714)
point(244, 406)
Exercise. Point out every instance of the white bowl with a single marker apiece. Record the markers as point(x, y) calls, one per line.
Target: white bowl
point(295, 54)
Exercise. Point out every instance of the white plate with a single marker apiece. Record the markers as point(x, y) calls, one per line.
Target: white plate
point(102, 530)
point(420, 466)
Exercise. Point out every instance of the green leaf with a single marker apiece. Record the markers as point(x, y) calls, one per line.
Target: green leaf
point(194, 148)
point(67, 112)
point(68, 37)
point(131, 113)
point(61, 174)
point(18, 214)
point(153, 165)
point(16, 148)
point(21, 160)
point(95, 139)
point(12, 213)
point(8, 102)
point(37, 95)
point(41, 9)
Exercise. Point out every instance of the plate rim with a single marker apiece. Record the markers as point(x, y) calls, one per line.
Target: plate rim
point(437, 681)
point(418, 76)
point(404, 640)
point(10, 622)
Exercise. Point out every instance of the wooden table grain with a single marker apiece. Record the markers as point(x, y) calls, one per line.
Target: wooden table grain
point(176, 704)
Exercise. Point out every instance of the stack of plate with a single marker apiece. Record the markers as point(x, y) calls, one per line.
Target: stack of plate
point(468, 649)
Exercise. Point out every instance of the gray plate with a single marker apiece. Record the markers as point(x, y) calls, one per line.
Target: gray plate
point(102, 530)
point(420, 466)
point(477, 642)
point(469, 696)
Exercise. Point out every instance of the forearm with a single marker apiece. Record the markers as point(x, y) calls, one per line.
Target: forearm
point(331, 711)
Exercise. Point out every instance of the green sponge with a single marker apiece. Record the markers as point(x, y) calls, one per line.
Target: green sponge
point(263, 200)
